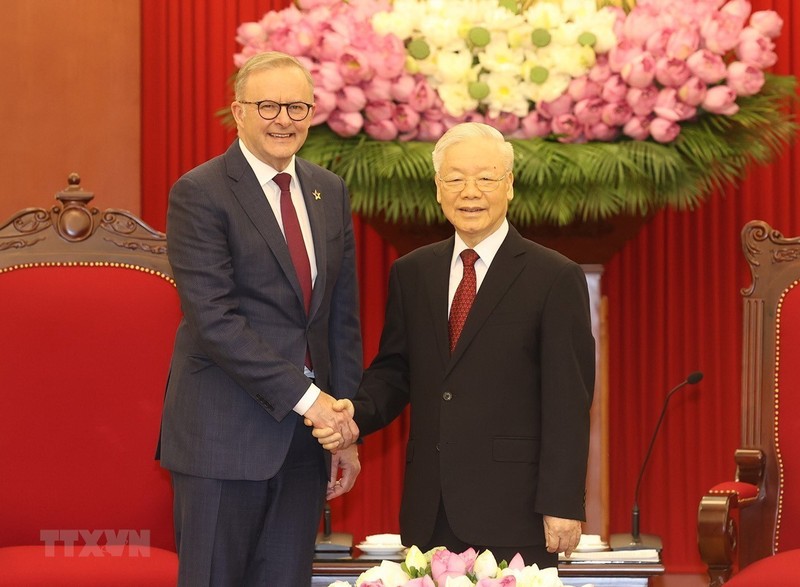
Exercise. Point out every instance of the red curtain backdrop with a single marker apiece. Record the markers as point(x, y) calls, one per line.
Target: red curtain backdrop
point(673, 291)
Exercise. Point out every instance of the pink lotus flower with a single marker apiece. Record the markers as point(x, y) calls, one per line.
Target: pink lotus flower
point(670, 107)
point(721, 32)
point(422, 96)
point(402, 88)
point(446, 564)
point(721, 100)
point(672, 72)
point(664, 131)
point(567, 128)
point(601, 70)
point(406, 118)
point(767, 22)
point(535, 125)
point(505, 122)
point(745, 79)
point(381, 130)
point(346, 124)
point(614, 89)
point(739, 9)
point(640, 71)
point(616, 114)
point(354, 67)
point(693, 92)
point(642, 22)
point(379, 110)
point(682, 43)
point(378, 89)
point(601, 132)
point(642, 100)
point(582, 87)
point(430, 130)
point(707, 65)
point(625, 52)
point(637, 128)
point(589, 111)
point(351, 99)
point(756, 49)
point(324, 104)
point(557, 107)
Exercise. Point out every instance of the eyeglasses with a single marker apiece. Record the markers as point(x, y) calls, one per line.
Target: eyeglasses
point(269, 110)
point(484, 184)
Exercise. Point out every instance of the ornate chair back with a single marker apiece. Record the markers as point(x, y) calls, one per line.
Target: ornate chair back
point(758, 514)
point(89, 311)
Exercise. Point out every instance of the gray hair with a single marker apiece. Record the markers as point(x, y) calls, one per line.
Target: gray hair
point(469, 130)
point(267, 60)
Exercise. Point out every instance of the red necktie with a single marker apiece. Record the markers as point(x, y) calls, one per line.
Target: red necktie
point(465, 295)
point(294, 239)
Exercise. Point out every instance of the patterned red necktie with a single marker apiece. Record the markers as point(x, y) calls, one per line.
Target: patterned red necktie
point(294, 239)
point(465, 295)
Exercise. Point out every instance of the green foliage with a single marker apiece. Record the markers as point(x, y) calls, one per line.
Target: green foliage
point(559, 183)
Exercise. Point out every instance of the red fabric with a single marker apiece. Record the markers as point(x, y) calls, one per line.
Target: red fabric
point(788, 433)
point(743, 491)
point(773, 571)
point(673, 300)
point(84, 361)
point(31, 566)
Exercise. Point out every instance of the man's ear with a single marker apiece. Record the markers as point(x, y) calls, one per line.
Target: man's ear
point(238, 112)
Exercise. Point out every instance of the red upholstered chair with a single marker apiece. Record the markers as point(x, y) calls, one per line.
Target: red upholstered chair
point(88, 311)
point(749, 528)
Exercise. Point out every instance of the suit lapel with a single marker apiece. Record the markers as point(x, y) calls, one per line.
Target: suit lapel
point(504, 270)
point(437, 289)
point(316, 216)
point(251, 197)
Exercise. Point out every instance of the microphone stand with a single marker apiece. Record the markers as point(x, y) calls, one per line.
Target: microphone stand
point(635, 540)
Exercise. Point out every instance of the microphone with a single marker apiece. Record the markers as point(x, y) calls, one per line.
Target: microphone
point(635, 540)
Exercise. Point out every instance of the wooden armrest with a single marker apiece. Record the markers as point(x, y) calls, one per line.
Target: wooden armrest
point(718, 514)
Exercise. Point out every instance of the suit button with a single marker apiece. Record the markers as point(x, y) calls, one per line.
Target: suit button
point(447, 396)
point(437, 447)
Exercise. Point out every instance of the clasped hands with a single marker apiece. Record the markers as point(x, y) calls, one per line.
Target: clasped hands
point(333, 423)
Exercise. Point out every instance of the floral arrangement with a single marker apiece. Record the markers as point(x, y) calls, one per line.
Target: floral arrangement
point(441, 568)
point(612, 106)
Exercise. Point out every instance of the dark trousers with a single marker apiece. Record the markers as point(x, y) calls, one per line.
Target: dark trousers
point(443, 535)
point(252, 533)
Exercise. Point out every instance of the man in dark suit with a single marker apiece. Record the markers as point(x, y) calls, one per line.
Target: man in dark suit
point(498, 446)
point(265, 268)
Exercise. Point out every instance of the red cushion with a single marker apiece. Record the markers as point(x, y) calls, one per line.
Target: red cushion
point(32, 566)
point(84, 357)
point(788, 422)
point(774, 571)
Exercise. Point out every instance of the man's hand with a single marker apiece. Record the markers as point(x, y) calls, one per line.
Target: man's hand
point(561, 535)
point(338, 432)
point(347, 461)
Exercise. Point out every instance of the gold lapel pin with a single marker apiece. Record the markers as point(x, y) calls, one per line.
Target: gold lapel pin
point(317, 195)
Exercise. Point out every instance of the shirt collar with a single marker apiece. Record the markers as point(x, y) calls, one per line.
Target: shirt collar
point(486, 249)
point(264, 172)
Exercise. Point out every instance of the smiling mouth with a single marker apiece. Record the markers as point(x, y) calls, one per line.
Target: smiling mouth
point(280, 135)
point(470, 209)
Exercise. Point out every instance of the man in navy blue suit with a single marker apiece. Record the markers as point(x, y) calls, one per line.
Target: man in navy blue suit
point(262, 248)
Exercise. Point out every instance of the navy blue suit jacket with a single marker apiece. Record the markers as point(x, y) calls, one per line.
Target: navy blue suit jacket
point(237, 367)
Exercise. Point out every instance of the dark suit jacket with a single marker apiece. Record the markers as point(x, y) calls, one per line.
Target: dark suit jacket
point(501, 428)
point(237, 367)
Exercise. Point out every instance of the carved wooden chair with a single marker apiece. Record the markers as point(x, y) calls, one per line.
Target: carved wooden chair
point(88, 310)
point(749, 528)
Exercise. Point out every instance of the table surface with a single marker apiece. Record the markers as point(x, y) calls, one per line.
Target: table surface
point(350, 567)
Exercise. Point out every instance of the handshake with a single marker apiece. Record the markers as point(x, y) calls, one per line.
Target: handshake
point(332, 420)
